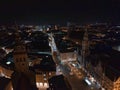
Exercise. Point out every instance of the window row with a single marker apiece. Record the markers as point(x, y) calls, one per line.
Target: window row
point(20, 60)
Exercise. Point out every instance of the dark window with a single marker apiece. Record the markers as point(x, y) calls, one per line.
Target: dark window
point(24, 59)
point(23, 64)
point(16, 60)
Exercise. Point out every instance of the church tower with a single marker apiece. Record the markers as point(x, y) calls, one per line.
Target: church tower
point(21, 64)
point(85, 47)
point(20, 54)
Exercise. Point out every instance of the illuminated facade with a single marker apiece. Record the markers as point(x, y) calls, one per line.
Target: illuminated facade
point(68, 56)
point(44, 70)
point(42, 78)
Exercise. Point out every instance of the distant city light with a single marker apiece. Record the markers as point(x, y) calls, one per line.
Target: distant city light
point(118, 26)
point(8, 62)
point(46, 56)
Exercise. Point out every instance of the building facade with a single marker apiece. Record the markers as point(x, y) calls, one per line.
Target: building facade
point(106, 75)
point(68, 56)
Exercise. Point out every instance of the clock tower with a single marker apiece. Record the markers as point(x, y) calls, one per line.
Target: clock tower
point(21, 62)
point(20, 55)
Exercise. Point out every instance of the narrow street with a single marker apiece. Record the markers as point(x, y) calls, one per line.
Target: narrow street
point(76, 81)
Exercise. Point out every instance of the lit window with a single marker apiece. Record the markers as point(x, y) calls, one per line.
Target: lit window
point(45, 79)
point(45, 85)
point(8, 62)
point(49, 73)
point(44, 74)
point(41, 84)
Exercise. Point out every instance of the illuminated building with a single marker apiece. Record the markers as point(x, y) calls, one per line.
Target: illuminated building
point(44, 68)
point(68, 55)
point(27, 73)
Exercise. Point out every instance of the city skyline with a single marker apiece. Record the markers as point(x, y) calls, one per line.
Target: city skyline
point(60, 57)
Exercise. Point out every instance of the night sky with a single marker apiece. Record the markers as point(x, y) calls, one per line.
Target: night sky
point(59, 11)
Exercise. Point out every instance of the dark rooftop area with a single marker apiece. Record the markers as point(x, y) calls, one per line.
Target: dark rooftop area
point(46, 64)
point(3, 82)
point(59, 83)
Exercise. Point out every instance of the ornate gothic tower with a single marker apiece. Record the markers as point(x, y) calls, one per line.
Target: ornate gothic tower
point(85, 48)
point(20, 55)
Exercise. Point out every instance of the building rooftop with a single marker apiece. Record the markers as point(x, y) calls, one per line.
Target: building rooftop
point(59, 83)
point(46, 64)
point(69, 49)
point(66, 46)
point(76, 35)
